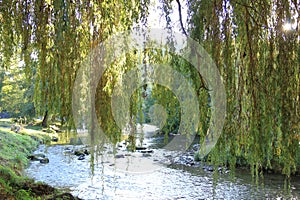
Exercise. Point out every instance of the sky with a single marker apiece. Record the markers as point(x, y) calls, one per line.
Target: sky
point(156, 17)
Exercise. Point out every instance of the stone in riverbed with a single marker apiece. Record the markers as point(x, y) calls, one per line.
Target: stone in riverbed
point(79, 153)
point(86, 152)
point(81, 157)
point(140, 148)
point(68, 150)
point(39, 157)
point(196, 147)
point(119, 156)
point(184, 160)
point(147, 151)
point(44, 160)
point(36, 157)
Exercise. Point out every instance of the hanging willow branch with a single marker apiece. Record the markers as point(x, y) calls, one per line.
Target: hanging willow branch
point(180, 18)
point(203, 83)
point(250, 50)
point(59, 35)
point(256, 53)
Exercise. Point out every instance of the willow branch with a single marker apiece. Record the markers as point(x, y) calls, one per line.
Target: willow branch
point(204, 85)
point(180, 18)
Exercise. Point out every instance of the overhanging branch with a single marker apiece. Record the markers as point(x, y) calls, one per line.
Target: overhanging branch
point(180, 18)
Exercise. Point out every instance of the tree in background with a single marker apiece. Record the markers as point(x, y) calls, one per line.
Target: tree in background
point(16, 91)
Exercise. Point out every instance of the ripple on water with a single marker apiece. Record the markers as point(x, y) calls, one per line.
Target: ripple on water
point(64, 170)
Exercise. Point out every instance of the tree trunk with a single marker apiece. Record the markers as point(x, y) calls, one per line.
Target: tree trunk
point(45, 120)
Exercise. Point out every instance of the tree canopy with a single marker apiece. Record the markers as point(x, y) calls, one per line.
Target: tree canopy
point(255, 45)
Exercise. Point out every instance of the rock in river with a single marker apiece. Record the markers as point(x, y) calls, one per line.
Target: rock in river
point(184, 160)
point(119, 156)
point(79, 153)
point(140, 148)
point(44, 160)
point(36, 157)
point(147, 151)
point(81, 157)
point(86, 152)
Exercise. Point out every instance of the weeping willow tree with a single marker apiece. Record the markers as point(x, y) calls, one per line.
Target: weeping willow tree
point(258, 60)
point(58, 35)
point(255, 45)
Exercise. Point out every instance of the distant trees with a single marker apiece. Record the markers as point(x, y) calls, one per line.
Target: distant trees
point(16, 92)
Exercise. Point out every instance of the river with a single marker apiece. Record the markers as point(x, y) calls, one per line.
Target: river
point(157, 179)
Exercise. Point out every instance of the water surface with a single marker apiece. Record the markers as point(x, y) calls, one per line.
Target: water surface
point(167, 182)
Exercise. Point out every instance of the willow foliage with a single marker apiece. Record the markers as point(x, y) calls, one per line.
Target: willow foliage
point(258, 60)
point(59, 34)
point(260, 65)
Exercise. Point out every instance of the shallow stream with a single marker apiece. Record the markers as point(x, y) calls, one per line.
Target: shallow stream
point(165, 181)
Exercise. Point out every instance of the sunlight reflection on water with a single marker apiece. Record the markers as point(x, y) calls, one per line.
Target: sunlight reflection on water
point(65, 171)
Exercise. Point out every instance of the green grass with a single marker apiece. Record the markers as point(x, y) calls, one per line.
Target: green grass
point(14, 150)
point(16, 147)
point(34, 131)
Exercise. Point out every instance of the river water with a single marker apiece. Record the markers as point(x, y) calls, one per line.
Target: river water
point(114, 179)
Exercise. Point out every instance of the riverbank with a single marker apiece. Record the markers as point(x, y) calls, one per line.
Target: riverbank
point(14, 151)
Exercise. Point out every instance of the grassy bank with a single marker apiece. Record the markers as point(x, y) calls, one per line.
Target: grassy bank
point(14, 150)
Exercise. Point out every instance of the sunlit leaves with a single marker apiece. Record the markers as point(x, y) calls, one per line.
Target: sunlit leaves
point(258, 61)
point(59, 34)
